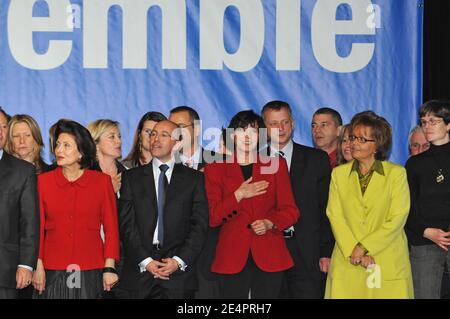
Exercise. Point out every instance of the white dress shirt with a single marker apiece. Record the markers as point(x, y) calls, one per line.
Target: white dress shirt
point(287, 150)
point(156, 163)
point(194, 159)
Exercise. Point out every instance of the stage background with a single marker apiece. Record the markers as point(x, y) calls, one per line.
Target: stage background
point(389, 84)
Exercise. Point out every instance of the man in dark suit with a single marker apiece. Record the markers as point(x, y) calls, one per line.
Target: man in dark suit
point(310, 241)
point(163, 218)
point(191, 154)
point(19, 219)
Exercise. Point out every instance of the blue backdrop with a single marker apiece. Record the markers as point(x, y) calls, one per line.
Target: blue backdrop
point(55, 62)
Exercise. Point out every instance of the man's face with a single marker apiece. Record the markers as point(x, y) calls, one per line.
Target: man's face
point(184, 122)
point(325, 132)
point(418, 143)
point(162, 140)
point(3, 130)
point(281, 120)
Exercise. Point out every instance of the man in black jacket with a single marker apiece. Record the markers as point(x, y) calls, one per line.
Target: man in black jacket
point(163, 218)
point(19, 219)
point(310, 241)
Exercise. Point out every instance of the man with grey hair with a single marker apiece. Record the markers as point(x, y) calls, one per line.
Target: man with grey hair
point(417, 142)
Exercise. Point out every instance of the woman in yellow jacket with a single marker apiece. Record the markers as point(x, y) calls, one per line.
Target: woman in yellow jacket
point(368, 206)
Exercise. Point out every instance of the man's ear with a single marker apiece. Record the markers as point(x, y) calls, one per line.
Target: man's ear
point(339, 130)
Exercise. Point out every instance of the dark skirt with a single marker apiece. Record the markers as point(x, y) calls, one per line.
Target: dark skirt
point(60, 284)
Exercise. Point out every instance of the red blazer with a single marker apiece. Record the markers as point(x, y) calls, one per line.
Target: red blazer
point(71, 216)
point(236, 239)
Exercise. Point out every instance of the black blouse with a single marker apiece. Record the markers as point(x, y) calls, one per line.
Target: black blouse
point(430, 200)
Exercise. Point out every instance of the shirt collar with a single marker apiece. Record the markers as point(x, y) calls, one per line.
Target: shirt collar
point(62, 181)
point(1, 154)
point(195, 157)
point(287, 149)
point(156, 163)
point(377, 166)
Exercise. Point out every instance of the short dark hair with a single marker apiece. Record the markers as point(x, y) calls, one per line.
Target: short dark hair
point(334, 114)
point(381, 131)
point(193, 115)
point(8, 117)
point(438, 108)
point(83, 139)
point(243, 119)
point(276, 106)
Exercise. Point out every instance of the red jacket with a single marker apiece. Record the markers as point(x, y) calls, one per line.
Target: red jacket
point(71, 216)
point(236, 239)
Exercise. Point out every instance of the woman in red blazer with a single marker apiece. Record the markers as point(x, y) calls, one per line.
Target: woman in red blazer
point(250, 198)
point(74, 203)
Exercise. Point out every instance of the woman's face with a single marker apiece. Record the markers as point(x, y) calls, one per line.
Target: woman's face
point(23, 142)
point(66, 150)
point(110, 143)
point(145, 135)
point(246, 139)
point(345, 146)
point(363, 151)
point(435, 129)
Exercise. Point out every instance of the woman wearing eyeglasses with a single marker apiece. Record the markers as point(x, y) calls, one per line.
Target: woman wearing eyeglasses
point(429, 219)
point(368, 206)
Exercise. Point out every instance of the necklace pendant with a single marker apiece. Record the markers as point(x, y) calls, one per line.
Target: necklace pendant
point(440, 178)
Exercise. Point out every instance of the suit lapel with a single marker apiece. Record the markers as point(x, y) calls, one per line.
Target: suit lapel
point(297, 163)
point(176, 185)
point(4, 166)
point(149, 200)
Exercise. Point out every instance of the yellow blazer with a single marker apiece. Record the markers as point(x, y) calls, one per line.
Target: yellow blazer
point(375, 220)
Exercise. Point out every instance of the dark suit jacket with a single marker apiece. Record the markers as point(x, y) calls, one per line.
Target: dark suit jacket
point(185, 224)
point(310, 178)
point(19, 218)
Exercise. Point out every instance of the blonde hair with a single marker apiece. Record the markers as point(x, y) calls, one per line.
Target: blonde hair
point(97, 128)
point(35, 133)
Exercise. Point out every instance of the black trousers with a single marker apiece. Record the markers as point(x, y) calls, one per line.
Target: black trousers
point(298, 282)
point(151, 289)
point(7, 293)
point(252, 283)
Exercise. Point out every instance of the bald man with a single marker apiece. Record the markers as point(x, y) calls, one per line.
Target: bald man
point(163, 217)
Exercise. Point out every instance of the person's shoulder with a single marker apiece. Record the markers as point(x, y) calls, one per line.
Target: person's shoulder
point(46, 177)
point(417, 160)
point(343, 169)
point(393, 168)
point(310, 152)
point(19, 164)
point(97, 175)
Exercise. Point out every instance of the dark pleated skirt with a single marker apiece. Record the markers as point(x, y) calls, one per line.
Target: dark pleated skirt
point(60, 284)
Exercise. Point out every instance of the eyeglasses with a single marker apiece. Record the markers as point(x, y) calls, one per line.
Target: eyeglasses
point(432, 122)
point(420, 146)
point(148, 132)
point(360, 139)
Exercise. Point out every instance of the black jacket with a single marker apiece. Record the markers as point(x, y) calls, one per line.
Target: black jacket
point(19, 218)
point(185, 224)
